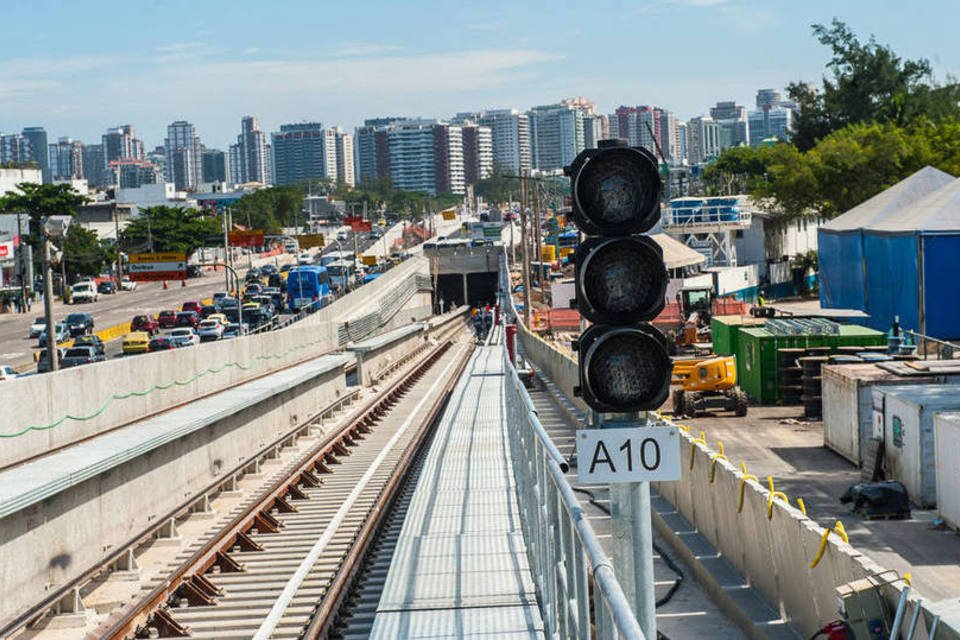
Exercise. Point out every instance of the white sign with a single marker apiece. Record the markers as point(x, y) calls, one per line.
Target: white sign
point(146, 267)
point(627, 455)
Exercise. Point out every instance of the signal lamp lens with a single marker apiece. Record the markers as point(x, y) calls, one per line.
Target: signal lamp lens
point(618, 191)
point(622, 280)
point(627, 370)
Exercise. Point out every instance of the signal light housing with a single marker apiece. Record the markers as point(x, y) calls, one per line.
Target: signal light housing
point(624, 369)
point(616, 190)
point(620, 280)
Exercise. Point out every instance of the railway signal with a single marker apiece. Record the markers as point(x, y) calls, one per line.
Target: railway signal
point(620, 278)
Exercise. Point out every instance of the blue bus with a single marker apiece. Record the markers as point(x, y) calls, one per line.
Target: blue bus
point(306, 286)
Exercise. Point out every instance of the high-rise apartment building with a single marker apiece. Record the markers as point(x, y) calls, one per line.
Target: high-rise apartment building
point(37, 150)
point(345, 159)
point(249, 161)
point(66, 159)
point(133, 174)
point(670, 138)
point(645, 126)
point(183, 156)
point(510, 136)
point(94, 165)
point(703, 140)
point(773, 118)
point(734, 125)
point(303, 152)
point(121, 143)
point(426, 155)
point(216, 168)
point(556, 135)
point(477, 152)
point(594, 127)
point(372, 148)
point(14, 148)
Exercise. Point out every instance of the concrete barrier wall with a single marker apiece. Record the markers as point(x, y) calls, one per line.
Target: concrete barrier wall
point(773, 553)
point(60, 538)
point(373, 362)
point(48, 411)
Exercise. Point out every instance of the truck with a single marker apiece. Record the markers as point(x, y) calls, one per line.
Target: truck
point(84, 292)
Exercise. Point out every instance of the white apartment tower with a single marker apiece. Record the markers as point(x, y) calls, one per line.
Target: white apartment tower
point(249, 160)
point(183, 156)
point(510, 139)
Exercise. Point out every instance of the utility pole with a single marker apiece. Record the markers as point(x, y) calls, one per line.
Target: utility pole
point(54, 364)
point(526, 251)
point(539, 240)
point(116, 227)
point(226, 247)
point(20, 269)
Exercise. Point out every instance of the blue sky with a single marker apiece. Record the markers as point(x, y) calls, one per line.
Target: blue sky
point(77, 68)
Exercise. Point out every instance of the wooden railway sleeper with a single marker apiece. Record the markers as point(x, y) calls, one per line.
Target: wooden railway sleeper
point(320, 467)
point(308, 479)
point(340, 450)
point(244, 542)
point(225, 564)
point(330, 458)
point(197, 591)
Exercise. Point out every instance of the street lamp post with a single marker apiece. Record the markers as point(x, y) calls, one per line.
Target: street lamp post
point(236, 278)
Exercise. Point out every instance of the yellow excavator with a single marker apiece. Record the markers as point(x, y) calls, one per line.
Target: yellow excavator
point(707, 384)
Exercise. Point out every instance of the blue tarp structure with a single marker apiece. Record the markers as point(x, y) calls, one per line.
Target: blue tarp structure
point(896, 254)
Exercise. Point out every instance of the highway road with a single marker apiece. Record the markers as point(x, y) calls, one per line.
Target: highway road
point(16, 348)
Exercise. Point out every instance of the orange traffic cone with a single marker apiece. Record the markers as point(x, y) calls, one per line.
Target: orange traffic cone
point(165, 285)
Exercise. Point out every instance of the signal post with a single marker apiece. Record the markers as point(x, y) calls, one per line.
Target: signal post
point(624, 367)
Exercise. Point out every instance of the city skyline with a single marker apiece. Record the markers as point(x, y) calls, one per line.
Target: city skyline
point(423, 60)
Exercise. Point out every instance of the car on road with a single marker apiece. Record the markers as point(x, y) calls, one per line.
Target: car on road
point(84, 292)
point(219, 317)
point(136, 342)
point(78, 356)
point(161, 343)
point(253, 288)
point(61, 334)
point(167, 319)
point(107, 287)
point(233, 330)
point(305, 258)
point(7, 373)
point(219, 296)
point(194, 271)
point(90, 340)
point(342, 236)
point(208, 310)
point(184, 337)
point(191, 305)
point(147, 323)
point(375, 234)
point(79, 323)
point(267, 269)
point(188, 319)
point(43, 365)
point(39, 326)
point(126, 284)
point(210, 330)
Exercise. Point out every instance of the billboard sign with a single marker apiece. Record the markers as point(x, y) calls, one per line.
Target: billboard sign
point(157, 266)
point(310, 240)
point(246, 238)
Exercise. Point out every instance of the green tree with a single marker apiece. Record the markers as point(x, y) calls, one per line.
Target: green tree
point(867, 82)
point(83, 253)
point(169, 229)
point(269, 209)
point(40, 201)
point(499, 186)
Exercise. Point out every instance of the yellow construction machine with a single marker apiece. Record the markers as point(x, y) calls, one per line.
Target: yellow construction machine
point(707, 384)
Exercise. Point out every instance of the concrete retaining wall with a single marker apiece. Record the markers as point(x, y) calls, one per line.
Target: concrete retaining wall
point(376, 356)
point(39, 406)
point(60, 538)
point(772, 554)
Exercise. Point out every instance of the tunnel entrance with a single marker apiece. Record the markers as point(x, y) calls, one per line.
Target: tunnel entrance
point(481, 289)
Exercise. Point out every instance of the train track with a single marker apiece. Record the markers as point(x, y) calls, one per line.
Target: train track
point(282, 566)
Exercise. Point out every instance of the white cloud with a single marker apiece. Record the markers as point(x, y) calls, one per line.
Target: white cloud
point(250, 51)
point(360, 49)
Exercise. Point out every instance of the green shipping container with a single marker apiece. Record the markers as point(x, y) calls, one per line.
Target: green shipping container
point(758, 359)
point(725, 332)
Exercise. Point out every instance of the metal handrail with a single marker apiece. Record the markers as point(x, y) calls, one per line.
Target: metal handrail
point(563, 549)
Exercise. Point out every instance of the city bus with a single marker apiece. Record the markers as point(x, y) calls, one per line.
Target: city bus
point(342, 274)
point(307, 286)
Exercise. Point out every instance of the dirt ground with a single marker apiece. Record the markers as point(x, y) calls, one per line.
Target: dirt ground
point(793, 453)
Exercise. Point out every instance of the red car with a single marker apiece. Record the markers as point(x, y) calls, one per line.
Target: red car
point(191, 305)
point(167, 319)
point(145, 323)
point(188, 319)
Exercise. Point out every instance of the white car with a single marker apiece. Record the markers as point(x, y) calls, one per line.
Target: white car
point(7, 373)
point(84, 292)
point(210, 330)
point(184, 337)
point(126, 284)
point(305, 258)
point(39, 326)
